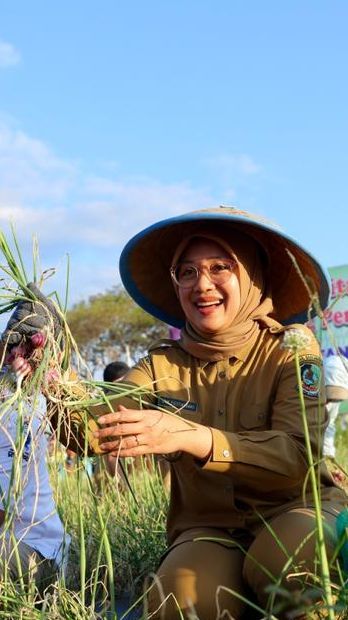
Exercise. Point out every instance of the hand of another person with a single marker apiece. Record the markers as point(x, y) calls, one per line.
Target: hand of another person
point(31, 317)
point(27, 331)
point(17, 359)
point(133, 432)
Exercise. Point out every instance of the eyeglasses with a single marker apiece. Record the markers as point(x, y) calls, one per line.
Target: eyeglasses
point(219, 271)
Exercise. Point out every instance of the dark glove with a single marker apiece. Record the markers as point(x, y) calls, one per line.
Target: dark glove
point(31, 317)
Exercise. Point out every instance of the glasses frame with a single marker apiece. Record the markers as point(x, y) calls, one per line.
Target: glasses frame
point(200, 270)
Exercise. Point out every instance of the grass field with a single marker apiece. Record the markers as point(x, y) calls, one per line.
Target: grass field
point(117, 540)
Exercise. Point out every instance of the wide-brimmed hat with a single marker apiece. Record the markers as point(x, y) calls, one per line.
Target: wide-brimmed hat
point(296, 277)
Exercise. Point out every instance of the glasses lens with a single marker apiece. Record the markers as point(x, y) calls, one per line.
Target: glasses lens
point(220, 270)
point(185, 275)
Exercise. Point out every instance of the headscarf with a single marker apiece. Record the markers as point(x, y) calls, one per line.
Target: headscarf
point(256, 303)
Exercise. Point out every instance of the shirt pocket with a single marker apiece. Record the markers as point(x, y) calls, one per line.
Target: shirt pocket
point(254, 417)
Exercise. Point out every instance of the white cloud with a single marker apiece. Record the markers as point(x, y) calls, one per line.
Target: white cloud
point(9, 55)
point(29, 170)
point(44, 223)
point(53, 198)
point(87, 216)
point(128, 205)
point(234, 165)
point(231, 174)
point(90, 217)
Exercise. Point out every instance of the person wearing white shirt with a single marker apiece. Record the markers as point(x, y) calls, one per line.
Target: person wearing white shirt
point(33, 543)
point(336, 385)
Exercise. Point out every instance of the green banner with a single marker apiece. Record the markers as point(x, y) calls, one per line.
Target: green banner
point(332, 332)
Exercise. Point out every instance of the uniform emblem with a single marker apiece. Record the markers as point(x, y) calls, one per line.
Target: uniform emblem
point(310, 376)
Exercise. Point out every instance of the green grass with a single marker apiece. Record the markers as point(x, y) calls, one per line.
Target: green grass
point(135, 530)
point(117, 535)
point(129, 530)
point(135, 526)
point(342, 446)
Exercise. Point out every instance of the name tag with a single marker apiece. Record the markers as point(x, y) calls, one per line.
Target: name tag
point(175, 403)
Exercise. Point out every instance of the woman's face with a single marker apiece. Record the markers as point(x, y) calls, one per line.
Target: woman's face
point(209, 307)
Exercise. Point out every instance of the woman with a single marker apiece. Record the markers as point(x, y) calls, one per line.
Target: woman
point(226, 409)
point(238, 522)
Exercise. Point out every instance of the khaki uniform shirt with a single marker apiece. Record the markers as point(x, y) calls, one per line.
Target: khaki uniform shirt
point(258, 463)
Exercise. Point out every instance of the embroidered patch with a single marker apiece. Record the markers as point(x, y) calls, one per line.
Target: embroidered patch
point(175, 403)
point(310, 376)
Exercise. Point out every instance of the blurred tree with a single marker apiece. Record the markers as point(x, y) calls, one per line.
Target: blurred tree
point(110, 325)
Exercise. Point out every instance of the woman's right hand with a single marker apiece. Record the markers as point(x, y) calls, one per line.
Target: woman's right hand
point(134, 432)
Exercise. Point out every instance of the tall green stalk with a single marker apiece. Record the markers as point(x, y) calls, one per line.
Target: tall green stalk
point(82, 539)
point(108, 553)
point(324, 564)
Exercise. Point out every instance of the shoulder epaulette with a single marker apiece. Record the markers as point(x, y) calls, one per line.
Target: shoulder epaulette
point(164, 343)
point(284, 328)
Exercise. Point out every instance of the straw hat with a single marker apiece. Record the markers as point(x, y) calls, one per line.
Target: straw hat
point(146, 259)
point(336, 378)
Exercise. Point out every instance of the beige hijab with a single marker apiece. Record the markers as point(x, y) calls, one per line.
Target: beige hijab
point(255, 306)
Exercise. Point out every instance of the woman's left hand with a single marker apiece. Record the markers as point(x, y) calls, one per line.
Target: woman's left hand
point(133, 432)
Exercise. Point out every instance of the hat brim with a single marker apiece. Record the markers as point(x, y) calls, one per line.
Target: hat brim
point(296, 276)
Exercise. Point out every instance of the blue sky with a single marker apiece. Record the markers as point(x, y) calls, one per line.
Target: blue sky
point(116, 114)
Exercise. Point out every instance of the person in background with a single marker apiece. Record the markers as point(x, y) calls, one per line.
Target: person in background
point(113, 372)
point(33, 543)
point(336, 382)
point(174, 333)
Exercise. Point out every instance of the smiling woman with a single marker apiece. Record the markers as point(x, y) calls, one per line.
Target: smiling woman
point(241, 517)
point(237, 447)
